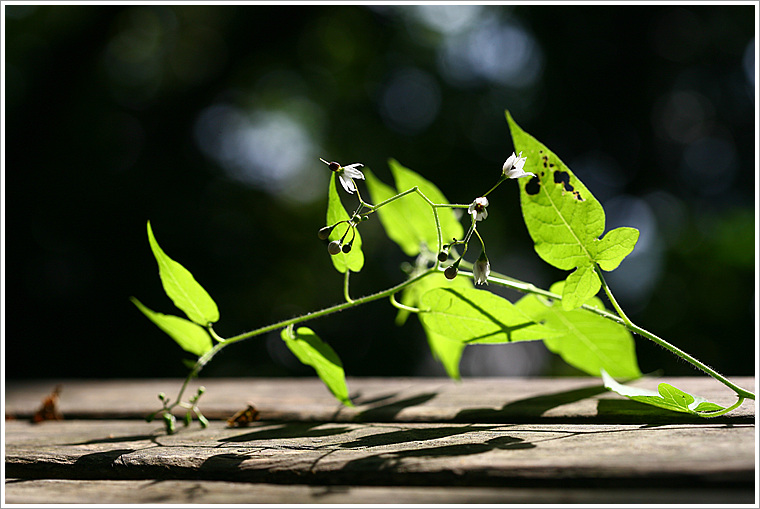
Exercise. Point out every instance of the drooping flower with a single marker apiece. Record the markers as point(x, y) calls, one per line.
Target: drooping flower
point(481, 269)
point(346, 173)
point(513, 167)
point(478, 208)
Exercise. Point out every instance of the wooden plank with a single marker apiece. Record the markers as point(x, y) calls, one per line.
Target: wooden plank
point(706, 456)
point(23, 491)
point(515, 400)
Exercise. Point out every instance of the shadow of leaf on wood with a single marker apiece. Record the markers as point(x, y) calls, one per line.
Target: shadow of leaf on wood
point(116, 440)
point(529, 408)
point(287, 430)
point(410, 435)
point(391, 460)
point(388, 411)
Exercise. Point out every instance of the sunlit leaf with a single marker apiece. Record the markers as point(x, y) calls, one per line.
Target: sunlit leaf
point(585, 340)
point(182, 288)
point(417, 213)
point(314, 352)
point(353, 260)
point(394, 216)
point(565, 221)
point(667, 397)
point(188, 335)
point(473, 316)
point(448, 352)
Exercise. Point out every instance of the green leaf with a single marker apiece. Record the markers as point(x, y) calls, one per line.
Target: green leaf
point(473, 316)
point(394, 216)
point(413, 223)
point(565, 221)
point(182, 288)
point(354, 259)
point(586, 341)
point(667, 397)
point(314, 352)
point(448, 352)
point(188, 335)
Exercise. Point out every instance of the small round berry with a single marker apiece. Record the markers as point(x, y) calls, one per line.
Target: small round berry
point(365, 218)
point(347, 248)
point(450, 272)
point(443, 256)
point(334, 166)
point(333, 247)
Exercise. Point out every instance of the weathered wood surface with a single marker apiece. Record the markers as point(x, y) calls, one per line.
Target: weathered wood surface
point(46, 491)
point(528, 400)
point(501, 440)
point(99, 493)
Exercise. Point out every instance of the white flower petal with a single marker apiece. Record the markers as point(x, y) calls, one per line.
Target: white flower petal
point(347, 183)
point(352, 172)
point(517, 173)
point(509, 163)
point(480, 272)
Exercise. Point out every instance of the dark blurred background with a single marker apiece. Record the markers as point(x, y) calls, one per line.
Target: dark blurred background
point(209, 121)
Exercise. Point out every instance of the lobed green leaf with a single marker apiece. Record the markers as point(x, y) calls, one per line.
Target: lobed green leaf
point(354, 259)
point(585, 340)
point(312, 351)
point(189, 336)
point(565, 221)
point(182, 288)
point(473, 316)
point(667, 397)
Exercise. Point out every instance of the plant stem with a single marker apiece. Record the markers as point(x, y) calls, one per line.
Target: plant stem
point(623, 320)
point(205, 358)
point(345, 286)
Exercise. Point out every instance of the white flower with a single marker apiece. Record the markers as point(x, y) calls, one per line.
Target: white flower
point(481, 269)
point(513, 167)
point(478, 208)
point(346, 173)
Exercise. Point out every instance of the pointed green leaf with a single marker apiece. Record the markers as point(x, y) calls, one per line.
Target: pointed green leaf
point(417, 213)
point(394, 216)
point(615, 246)
point(586, 341)
point(473, 316)
point(314, 352)
point(182, 288)
point(667, 397)
point(446, 351)
point(583, 283)
point(565, 221)
point(188, 335)
point(354, 259)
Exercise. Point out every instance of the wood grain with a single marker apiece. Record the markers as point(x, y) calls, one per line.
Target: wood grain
point(527, 400)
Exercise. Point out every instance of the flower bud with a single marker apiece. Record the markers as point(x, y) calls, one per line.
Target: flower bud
point(365, 218)
point(334, 247)
point(451, 272)
point(325, 232)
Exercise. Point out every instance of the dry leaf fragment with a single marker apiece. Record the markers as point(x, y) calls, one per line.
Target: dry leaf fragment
point(49, 409)
point(243, 417)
